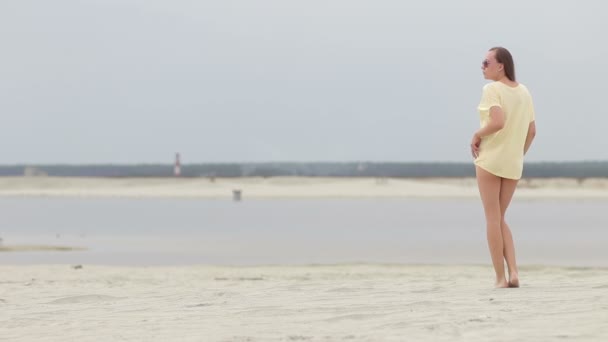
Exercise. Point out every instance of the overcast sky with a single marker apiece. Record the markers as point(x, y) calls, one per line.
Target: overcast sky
point(126, 81)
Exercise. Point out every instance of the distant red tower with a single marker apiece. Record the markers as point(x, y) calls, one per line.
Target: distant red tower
point(177, 169)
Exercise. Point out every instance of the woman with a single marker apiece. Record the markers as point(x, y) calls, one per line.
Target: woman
point(506, 133)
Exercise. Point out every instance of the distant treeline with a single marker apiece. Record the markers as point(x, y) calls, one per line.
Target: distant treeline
point(312, 169)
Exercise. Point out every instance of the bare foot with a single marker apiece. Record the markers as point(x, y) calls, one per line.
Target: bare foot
point(513, 280)
point(501, 284)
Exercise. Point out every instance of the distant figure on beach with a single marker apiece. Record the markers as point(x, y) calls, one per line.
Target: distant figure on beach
point(506, 133)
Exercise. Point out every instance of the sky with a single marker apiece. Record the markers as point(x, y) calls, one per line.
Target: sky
point(134, 81)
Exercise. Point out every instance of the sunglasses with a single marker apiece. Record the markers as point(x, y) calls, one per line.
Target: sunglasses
point(485, 63)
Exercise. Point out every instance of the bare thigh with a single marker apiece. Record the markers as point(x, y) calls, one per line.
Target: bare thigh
point(507, 189)
point(489, 190)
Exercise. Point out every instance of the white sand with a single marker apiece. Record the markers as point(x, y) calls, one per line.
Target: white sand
point(289, 187)
point(300, 303)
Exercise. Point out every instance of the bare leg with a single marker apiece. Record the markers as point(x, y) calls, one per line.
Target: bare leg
point(507, 189)
point(489, 189)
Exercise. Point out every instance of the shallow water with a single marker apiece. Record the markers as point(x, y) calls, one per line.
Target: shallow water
point(297, 231)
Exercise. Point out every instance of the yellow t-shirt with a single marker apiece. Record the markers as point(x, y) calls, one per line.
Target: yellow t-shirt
point(502, 153)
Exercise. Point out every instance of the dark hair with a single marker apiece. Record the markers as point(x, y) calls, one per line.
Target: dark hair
point(504, 57)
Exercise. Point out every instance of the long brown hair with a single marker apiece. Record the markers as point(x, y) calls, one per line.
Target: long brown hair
point(504, 57)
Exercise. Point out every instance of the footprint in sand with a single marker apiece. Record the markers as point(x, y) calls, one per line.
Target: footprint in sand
point(84, 299)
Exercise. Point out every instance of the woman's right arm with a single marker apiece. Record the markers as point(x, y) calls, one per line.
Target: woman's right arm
point(530, 136)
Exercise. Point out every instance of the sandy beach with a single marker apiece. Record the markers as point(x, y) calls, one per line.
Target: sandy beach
point(300, 303)
point(295, 302)
point(290, 187)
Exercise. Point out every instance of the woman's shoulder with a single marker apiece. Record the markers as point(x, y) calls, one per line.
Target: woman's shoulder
point(500, 86)
point(524, 89)
point(491, 86)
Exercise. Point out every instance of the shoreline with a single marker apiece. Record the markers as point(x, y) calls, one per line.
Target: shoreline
point(39, 248)
point(291, 187)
